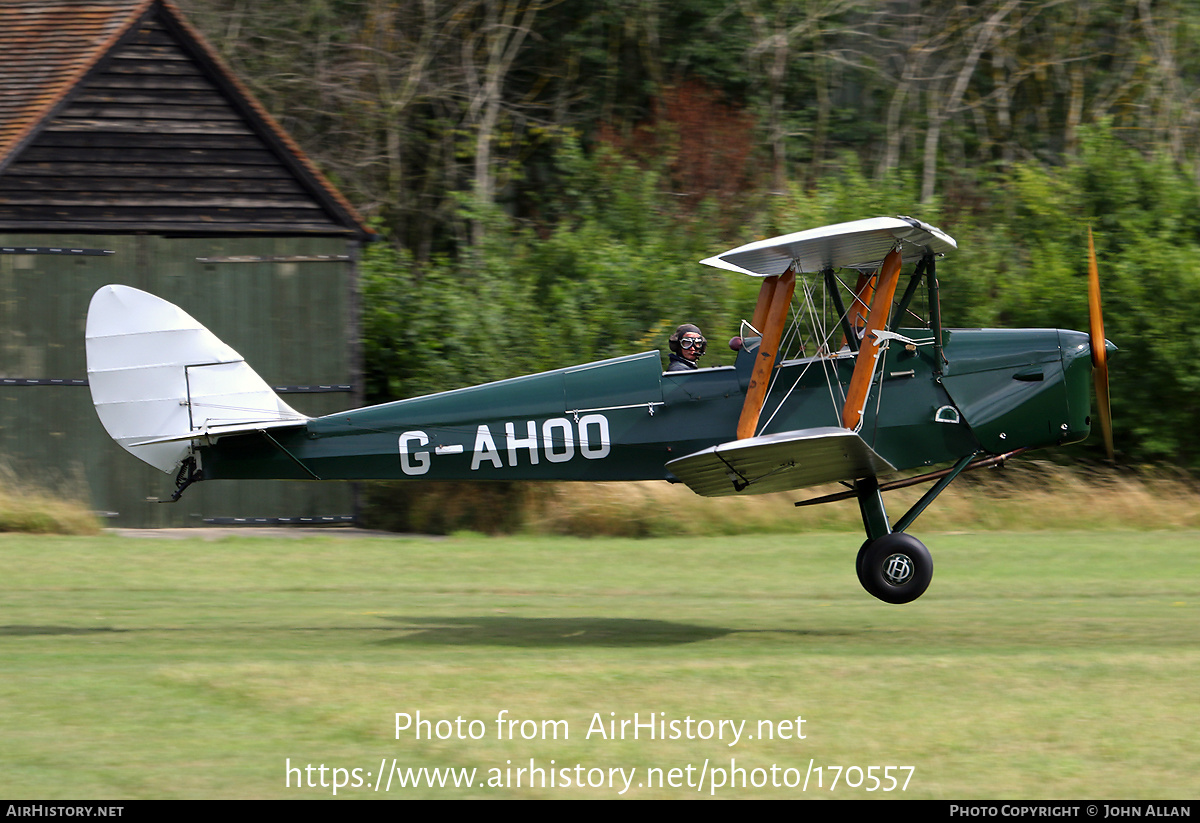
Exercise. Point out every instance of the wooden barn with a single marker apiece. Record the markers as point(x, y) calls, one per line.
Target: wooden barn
point(121, 130)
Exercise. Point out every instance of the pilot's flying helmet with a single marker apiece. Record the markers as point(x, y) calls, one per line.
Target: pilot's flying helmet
point(687, 328)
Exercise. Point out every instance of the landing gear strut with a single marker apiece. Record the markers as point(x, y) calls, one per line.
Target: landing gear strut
point(891, 565)
point(894, 566)
point(189, 473)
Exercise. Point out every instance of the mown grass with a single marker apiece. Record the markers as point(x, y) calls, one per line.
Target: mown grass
point(1048, 664)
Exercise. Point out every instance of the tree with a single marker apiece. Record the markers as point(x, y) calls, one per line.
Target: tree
point(491, 47)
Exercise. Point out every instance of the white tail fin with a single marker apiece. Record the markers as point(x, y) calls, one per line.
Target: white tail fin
point(160, 380)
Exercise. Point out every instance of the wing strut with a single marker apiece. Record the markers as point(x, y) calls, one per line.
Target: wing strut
point(868, 353)
point(858, 308)
point(776, 296)
point(765, 293)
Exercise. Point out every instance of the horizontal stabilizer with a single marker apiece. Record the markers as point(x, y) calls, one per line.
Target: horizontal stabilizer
point(778, 462)
point(210, 433)
point(160, 379)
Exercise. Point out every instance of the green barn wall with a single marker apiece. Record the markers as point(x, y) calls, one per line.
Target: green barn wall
point(293, 322)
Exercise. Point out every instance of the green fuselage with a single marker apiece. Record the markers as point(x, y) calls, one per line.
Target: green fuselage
point(624, 419)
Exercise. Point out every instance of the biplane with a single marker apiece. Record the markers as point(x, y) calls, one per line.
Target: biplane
point(855, 380)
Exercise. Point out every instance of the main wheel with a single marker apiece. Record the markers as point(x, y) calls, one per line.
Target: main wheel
point(858, 563)
point(896, 568)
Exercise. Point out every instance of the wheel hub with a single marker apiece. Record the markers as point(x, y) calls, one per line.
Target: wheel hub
point(898, 569)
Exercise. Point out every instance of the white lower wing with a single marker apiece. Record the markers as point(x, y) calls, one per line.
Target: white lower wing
point(779, 462)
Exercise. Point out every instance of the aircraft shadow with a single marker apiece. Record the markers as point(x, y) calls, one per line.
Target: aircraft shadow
point(21, 631)
point(528, 632)
point(547, 632)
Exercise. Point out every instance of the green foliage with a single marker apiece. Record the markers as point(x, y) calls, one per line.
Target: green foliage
point(1143, 212)
point(617, 271)
point(614, 276)
point(446, 508)
point(1057, 117)
point(446, 324)
point(843, 195)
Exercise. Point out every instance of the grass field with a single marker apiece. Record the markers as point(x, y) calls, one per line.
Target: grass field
point(1038, 665)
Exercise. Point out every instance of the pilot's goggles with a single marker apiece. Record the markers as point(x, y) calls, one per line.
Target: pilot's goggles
point(688, 342)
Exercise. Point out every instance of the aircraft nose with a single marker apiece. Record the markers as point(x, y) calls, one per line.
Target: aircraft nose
point(1076, 349)
point(1073, 345)
point(1076, 344)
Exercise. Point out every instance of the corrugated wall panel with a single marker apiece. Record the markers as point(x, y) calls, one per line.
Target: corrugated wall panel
point(288, 319)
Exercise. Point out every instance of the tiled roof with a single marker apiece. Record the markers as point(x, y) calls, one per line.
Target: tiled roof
point(80, 105)
point(46, 47)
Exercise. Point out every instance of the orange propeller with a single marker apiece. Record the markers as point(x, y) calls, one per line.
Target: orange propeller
point(1099, 351)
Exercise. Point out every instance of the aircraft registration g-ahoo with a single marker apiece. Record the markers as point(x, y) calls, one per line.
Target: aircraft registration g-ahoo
point(854, 380)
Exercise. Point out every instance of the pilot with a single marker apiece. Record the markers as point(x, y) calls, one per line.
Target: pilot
point(687, 346)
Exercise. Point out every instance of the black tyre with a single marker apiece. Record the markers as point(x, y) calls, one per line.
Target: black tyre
point(896, 568)
point(858, 563)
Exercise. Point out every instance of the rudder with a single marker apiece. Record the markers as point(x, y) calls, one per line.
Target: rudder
point(158, 377)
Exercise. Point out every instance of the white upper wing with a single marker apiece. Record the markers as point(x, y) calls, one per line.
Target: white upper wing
point(858, 244)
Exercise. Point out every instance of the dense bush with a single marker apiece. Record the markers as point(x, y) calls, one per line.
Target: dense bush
point(618, 273)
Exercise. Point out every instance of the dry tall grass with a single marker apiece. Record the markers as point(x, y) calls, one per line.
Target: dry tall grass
point(31, 508)
point(1027, 495)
